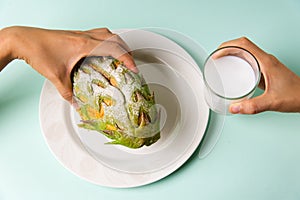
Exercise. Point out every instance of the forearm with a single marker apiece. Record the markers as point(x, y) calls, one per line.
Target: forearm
point(5, 48)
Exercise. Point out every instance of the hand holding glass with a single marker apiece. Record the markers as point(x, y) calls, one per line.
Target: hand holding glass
point(231, 74)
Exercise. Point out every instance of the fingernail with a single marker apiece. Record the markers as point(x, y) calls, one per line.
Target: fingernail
point(235, 108)
point(75, 104)
point(135, 70)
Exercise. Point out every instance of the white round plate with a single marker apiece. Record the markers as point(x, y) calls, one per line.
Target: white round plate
point(171, 72)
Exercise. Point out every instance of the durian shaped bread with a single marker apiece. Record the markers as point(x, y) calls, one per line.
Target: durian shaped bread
point(116, 102)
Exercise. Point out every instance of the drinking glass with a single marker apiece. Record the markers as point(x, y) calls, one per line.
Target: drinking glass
point(231, 74)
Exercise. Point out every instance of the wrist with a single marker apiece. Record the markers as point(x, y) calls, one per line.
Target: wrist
point(291, 101)
point(298, 95)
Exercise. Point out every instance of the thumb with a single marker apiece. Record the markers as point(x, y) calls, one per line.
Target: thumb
point(251, 106)
point(66, 94)
point(65, 90)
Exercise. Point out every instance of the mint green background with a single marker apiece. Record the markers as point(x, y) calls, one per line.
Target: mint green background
point(257, 157)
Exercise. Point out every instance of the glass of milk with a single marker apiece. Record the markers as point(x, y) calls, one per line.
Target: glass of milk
point(231, 74)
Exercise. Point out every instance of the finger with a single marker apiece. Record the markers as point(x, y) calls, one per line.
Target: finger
point(108, 36)
point(108, 48)
point(99, 30)
point(242, 42)
point(251, 106)
point(117, 39)
point(93, 33)
point(128, 62)
point(246, 44)
point(66, 93)
point(64, 87)
point(237, 52)
point(225, 51)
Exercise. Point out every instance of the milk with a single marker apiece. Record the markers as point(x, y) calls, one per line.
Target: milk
point(230, 76)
